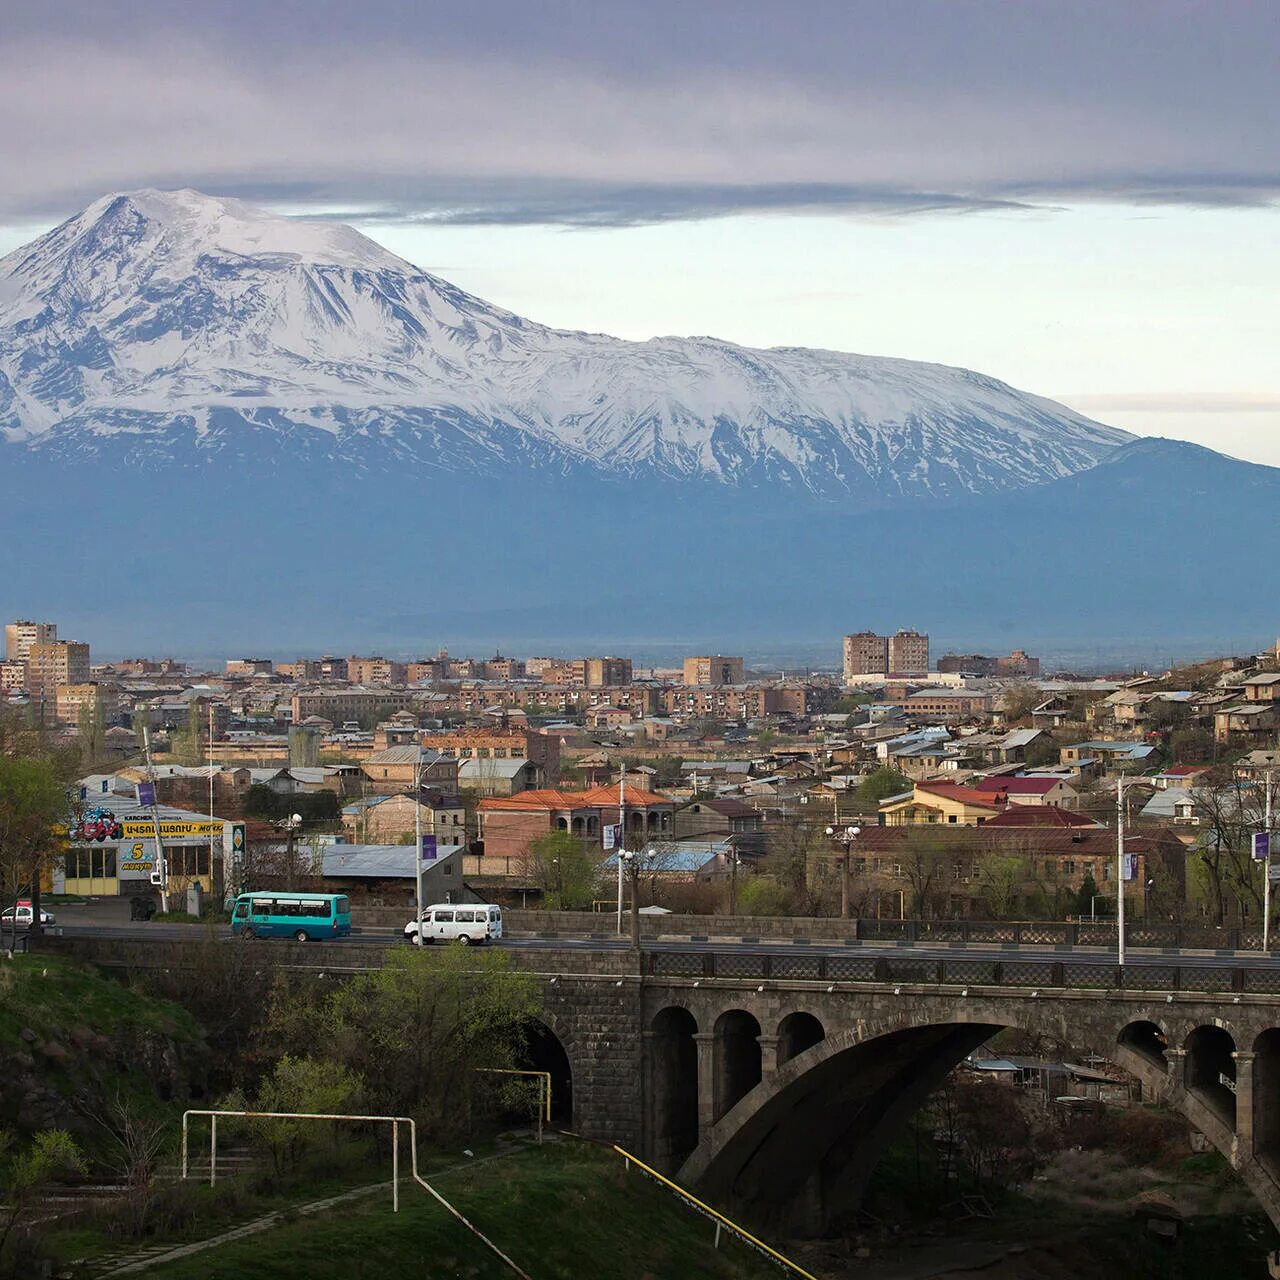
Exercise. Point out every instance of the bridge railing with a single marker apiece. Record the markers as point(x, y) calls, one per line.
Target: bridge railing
point(1072, 933)
point(994, 971)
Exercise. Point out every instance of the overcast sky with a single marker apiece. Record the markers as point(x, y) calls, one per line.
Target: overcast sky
point(1078, 197)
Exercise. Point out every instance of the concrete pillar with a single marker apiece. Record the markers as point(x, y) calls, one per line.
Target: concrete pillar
point(1244, 1101)
point(706, 1042)
point(768, 1056)
point(1177, 1059)
point(649, 1100)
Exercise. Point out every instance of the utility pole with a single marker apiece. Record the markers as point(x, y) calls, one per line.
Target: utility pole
point(417, 836)
point(1120, 870)
point(620, 844)
point(162, 867)
point(1266, 874)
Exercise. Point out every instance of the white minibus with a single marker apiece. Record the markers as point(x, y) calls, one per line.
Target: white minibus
point(465, 922)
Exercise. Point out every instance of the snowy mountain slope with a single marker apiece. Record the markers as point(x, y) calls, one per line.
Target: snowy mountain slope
point(174, 328)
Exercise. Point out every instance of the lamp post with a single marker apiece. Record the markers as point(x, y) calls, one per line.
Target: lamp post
point(417, 838)
point(632, 864)
point(291, 825)
point(845, 838)
point(1120, 869)
point(734, 863)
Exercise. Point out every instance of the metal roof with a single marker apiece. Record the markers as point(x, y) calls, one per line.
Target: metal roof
point(378, 860)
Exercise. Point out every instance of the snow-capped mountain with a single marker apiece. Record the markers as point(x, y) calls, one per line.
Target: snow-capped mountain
point(174, 327)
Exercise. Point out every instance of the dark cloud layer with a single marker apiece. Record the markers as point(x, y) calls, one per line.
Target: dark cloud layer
point(605, 114)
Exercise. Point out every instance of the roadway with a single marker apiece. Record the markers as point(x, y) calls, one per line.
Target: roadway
point(362, 938)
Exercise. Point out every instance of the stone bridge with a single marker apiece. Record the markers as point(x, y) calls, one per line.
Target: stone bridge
point(773, 1082)
point(775, 1096)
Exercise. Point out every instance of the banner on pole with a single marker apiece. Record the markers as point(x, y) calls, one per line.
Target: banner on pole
point(613, 835)
point(1130, 866)
point(429, 849)
point(146, 793)
point(1261, 846)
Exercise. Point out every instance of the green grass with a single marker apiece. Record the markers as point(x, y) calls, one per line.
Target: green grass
point(565, 1211)
point(52, 995)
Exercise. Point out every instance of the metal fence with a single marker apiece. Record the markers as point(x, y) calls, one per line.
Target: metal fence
point(992, 971)
point(1078, 933)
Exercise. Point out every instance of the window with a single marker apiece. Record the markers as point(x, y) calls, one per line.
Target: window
point(465, 917)
point(1068, 867)
point(443, 917)
point(342, 906)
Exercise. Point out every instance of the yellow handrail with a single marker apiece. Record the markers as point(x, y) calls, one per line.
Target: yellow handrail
point(716, 1215)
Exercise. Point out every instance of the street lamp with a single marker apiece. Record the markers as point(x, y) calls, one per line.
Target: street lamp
point(291, 825)
point(845, 838)
point(632, 864)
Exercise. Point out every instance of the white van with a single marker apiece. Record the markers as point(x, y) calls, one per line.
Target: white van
point(464, 922)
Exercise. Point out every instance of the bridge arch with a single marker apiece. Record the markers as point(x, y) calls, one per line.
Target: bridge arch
point(738, 1061)
point(797, 1151)
point(797, 1032)
point(1210, 1070)
point(672, 1068)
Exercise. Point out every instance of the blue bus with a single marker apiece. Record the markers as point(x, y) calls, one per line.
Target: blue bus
point(300, 916)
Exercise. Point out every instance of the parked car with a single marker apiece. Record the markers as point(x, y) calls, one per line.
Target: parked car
point(24, 915)
point(465, 922)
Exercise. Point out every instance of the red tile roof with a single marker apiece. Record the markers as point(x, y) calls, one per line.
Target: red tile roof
point(962, 795)
point(1040, 815)
point(549, 798)
point(1017, 786)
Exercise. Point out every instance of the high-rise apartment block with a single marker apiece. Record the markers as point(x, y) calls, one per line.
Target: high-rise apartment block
point(869, 654)
point(713, 669)
point(20, 636)
point(56, 662)
point(908, 653)
point(605, 673)
point(865, 654)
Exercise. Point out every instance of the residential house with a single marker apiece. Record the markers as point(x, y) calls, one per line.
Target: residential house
point(398, 768)
point(725, 817)
point(387, 819)
point(1055, 792)
point(1252, 722)
point(946, 803)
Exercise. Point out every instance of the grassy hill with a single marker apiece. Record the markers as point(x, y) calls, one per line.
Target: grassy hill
point(564, 1211)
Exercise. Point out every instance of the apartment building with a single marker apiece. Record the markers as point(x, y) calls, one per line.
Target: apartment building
point(341, 705)
point(602, 673)
point(21, 635)
point(542, 750)
point(376, 670)
point(13, 677)
point(712, 669)
point(244, 667)
point(865, 654)
point(72, 701)
point(908, 653)
point(55, 662)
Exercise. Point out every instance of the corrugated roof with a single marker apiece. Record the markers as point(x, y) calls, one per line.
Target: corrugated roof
point(377, 860)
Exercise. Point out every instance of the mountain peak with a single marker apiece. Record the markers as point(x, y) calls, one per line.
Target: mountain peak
point(183, 323)
point(177, 228)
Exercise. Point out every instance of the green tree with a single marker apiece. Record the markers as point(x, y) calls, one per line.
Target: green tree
point(565, 869)
point(33, 806)
point(24, 1175)
point(1003, 877)
point(763, 896)
point(307, 1085)
point(1191, 746)
point(420, 1027)
point(1041, 752)
point(1019, 700)
point(881, 784)
point(927, 861)
point(1084, 905)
